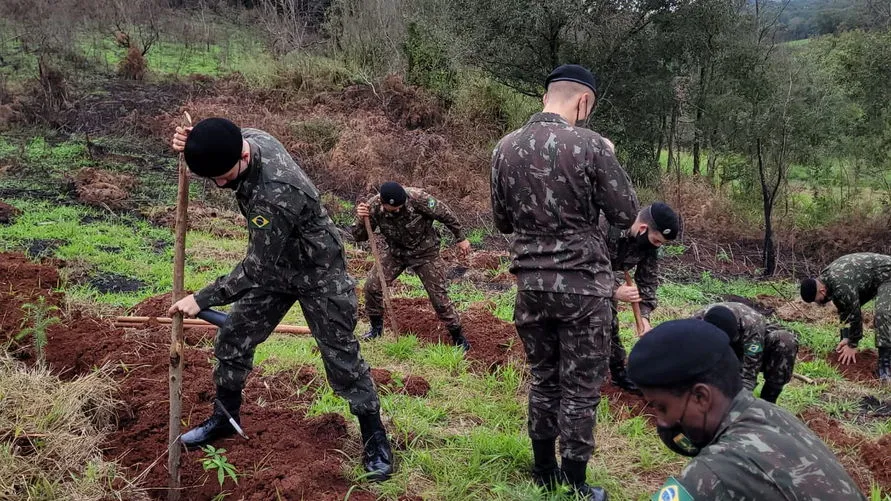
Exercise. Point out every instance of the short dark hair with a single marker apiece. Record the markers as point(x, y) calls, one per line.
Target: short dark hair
point(724, 376)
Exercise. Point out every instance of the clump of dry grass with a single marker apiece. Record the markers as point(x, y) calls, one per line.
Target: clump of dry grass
point(51, 433)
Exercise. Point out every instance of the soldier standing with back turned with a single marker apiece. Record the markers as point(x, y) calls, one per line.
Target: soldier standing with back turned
point(551, 180)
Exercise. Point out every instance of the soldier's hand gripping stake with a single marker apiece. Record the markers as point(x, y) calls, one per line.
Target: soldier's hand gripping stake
point(635, 307)
point(380, 272)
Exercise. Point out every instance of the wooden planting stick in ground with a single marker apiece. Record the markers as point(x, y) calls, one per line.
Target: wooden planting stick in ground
point(380, 273)
point(175, 370)
point(194, 323)
point(635, 307)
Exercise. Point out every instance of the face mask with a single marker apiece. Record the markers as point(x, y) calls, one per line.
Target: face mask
point(643, 241)
point(680, 441)
point(236, 183)
point(581, 119)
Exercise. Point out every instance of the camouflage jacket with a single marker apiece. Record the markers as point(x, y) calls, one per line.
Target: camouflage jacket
point(550, 183)
point(748, 343)
point(761, 452)
point(853, 281)
point(293, 246)
point(410, 232)
point(625, 254)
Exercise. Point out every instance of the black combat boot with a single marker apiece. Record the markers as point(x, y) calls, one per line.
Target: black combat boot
point(377, 328)
point(770, 392)
point(545, 472)
point(620, 378)
point(377, 457)
point(217, 425)
point(458, 338)
point(884, 363)
point(574, 475)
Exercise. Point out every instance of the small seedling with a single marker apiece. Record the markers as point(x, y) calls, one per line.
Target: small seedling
point(38, 320)
point(215, 460)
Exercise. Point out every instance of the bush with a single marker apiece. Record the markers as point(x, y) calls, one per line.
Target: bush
point(133, 66)
point(429, 65)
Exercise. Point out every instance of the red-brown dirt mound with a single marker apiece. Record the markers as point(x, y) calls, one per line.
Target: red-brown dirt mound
point(627, 404)
point(415, 386)
point(8, 213)
point(288, 456)
point(493, 341)
point(103, 188)
point(862, 371)
point(878, 456)
point(218, 222)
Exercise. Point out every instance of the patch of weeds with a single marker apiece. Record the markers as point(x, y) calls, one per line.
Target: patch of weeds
point(320, 134)
point(402, 348)
point(441, 356)
point(796, 398)
point(38, 318)
point(286, 352)
point(504, 305)
point(327, 402)
point(463, 294)
point(672, 250)
point(840, 408)
point(342, 211)
point(817, 368)
point(414, 288)
point(677, 294)
point(476, 237)
point(821, 339)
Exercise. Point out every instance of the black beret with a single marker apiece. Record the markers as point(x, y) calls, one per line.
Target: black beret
point(213, 147)
point(665, 219)
point(808, 290)
point(573, 73)
point(393, 194)
point(723, 318)
point(675, 352)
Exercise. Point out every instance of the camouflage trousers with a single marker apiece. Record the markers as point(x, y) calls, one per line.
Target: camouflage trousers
point(567, 344)
point(428, 268)
point(780, 350)
point(331, 319)
point(883, 316)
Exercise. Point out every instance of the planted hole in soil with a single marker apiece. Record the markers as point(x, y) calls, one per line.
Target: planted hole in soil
point(8, 213)
point(861, 371)
point(41, 248)
point(113, 283)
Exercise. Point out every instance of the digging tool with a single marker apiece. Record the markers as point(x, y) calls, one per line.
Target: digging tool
point(175, 370)
point(206, 319)
point(635, 307)
point(231, 421)
point(380, 273)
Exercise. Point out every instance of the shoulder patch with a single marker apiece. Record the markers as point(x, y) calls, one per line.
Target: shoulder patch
point(754, 348)
point(259, 222)
point(431, 202)
point(672, 490)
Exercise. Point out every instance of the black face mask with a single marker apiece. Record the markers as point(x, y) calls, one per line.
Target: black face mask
point(236, 183)
point(684, 442)
point(643, 241)
point(579, 121)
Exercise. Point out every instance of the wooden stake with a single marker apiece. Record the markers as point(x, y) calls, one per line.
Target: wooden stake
point(380, 273)
point(175, 371)
point(635, 307)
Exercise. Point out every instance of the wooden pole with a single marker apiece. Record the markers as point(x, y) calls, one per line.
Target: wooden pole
point(196, 323)
point(635, 307)
point(380, 273)
point(175, 369)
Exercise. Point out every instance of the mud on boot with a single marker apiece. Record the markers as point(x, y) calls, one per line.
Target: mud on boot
point(574, 476)
point(376, 330)
point(458, 338)
point(884, 365)
point(377, 457)
point(217, 425)
point(545, 472)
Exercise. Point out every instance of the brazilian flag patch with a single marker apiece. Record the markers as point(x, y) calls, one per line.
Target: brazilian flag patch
point(431, 202)
point(672, 490)
point(259, 222)
point(753, 349)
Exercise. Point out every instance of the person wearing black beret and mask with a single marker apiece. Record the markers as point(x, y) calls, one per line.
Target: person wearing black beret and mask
point(294, 254)
point(637, 248)
point(743, 448)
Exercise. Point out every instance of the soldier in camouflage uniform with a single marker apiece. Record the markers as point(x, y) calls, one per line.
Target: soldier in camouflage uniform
point(761, 346)
point(551, 181)
point(294, 255)
point(636, 247)
point(850, 282)
point(405, 216)
point(743, 448)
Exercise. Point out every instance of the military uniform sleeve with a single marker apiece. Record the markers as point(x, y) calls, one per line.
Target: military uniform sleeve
point(701, 482)
point(360, 234)
point(753, 353)
point(646, 276)
point(438, 211)
point(499, 207)
point(613, 192)
point(270, 223)
point(847, 302)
